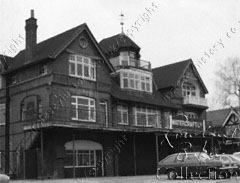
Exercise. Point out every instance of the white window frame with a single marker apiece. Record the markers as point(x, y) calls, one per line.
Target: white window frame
point(147, 112)
point(136, 81)
point(2, 112)
point(90, 106)
point(82, 62)
point(189, 91)
point(122, 109)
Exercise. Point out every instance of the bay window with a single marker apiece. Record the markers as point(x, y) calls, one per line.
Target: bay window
point(83, 108)
point(136, 81)
point(82, 67)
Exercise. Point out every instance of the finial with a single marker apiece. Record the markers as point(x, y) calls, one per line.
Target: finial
point(122, 23)
point(32, 13)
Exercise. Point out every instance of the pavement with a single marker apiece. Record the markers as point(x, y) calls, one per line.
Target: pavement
point(126, 179)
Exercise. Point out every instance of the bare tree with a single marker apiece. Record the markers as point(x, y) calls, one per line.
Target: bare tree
point(228, 82)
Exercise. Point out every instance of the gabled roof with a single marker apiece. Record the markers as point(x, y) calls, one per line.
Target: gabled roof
point(221, 116)
point(52, 47)
point(117, 41)
point(5, 61)
point(169, 75)
point(152, 99)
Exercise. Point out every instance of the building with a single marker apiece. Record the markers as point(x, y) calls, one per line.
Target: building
point(225, 124)
point(80, 108)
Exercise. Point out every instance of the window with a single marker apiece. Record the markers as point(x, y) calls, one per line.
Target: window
point(31, 107)
point(146, 116)
point(192, 115)
point(1, 82)
point(13, 79)
point(83, 108)
point(2, 114)
point(122, 114)
point(43, 69)
point(83, 158)
point(82, 67)
point(188, 89)
point(136, 81)
point(83, 153)
point(124, 58)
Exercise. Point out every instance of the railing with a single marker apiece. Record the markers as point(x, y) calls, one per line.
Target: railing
point(140, 63)
point(194, 100)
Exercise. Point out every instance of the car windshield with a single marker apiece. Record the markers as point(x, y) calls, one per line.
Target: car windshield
point(203, 156)
point(236, 155)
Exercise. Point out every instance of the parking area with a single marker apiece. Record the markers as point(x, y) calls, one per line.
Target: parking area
point(130, 179)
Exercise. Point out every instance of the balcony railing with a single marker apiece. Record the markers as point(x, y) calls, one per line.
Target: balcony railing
point(194, 100)
point(140, 63)
point(127, 61)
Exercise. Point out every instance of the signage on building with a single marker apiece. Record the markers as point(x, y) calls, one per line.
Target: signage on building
point(183, 124)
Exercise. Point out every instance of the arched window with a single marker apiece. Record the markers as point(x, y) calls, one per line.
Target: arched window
point(188, 89)
point(31, 107)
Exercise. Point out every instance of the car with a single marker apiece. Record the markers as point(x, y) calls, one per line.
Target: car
point(4, 178)
point(231, 165)
point(189, 165)
point(237, 155)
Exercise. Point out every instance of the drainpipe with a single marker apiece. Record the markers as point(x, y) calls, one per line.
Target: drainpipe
point(7, 126)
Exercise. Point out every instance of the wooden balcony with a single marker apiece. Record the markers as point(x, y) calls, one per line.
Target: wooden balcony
point(195, 101)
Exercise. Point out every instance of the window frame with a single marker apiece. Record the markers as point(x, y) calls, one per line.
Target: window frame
point(136, 81)
point(75, 153)
point(189, 88)
point(3, 108)
point(76, 104)
point(43, 69)
point(75, 63)
point(122, 109)
point(145, 111)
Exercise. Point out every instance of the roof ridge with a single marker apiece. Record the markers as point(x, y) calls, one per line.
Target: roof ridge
point(188, 60)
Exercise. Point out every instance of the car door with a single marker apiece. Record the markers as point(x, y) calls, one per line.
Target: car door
point(192, 165)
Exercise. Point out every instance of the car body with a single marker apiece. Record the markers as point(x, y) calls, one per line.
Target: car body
point(189, 164)
point(236, 155)
point(231, 165)
point(4, 178)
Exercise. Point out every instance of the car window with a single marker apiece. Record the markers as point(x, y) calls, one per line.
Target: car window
point(203, 156)
point(181, 156)
point(237, 155)
point(191, 158)
point(169, 159)
point(225, 159)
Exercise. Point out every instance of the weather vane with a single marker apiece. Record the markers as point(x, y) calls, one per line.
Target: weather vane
point(122, 23)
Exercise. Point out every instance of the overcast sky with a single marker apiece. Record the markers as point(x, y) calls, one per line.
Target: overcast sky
point(167, 30)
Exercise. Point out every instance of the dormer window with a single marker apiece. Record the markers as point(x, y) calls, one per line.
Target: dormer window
point(82, 67)
point(188, 89)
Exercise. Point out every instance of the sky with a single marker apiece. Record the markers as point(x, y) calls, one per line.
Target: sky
point(167, 31)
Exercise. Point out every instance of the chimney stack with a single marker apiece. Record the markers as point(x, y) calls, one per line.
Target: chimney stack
point(31, 37)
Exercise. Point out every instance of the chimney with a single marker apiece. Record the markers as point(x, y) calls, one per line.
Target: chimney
point(31, 37)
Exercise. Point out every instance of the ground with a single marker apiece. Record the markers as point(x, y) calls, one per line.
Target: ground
point(132, 179)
